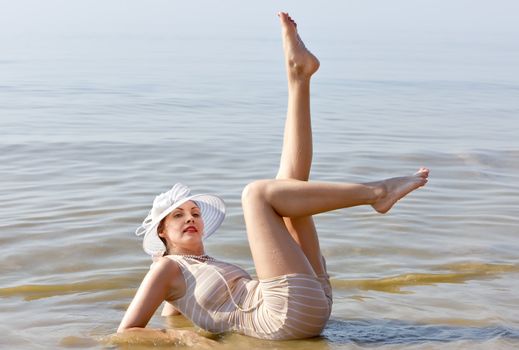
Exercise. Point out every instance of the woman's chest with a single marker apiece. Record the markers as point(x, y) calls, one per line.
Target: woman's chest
point(215, 286)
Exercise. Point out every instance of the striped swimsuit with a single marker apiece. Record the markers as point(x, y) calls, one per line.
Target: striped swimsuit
point(222, 297)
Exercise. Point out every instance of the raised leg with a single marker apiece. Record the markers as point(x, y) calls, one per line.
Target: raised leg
point(266, 202)
point(278, 213)
point(296, 155)
point(301, 64)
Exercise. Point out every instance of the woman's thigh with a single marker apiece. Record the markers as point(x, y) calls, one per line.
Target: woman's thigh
point(274, 251)
point(304, 233)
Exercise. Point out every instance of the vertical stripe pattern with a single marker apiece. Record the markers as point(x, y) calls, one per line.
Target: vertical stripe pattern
point(222, 297)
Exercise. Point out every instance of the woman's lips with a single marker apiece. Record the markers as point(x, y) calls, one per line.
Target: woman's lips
point(191, 229)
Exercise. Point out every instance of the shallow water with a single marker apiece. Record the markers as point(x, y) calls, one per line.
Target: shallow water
point(94, 125)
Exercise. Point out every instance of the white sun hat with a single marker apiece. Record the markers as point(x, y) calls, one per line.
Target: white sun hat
point(211, 207)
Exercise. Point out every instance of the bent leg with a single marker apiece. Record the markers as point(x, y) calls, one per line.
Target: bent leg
point(266, 202)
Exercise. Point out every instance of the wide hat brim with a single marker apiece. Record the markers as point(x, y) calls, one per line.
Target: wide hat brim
point(212, 209)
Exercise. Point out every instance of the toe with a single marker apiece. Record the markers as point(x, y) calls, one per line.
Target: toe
point(422, 172)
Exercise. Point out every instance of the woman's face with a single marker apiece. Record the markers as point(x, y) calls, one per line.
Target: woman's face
point(183, 228)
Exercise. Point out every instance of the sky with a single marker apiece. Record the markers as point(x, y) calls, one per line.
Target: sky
point(226, 17)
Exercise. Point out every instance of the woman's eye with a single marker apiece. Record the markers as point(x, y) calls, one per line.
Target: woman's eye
point(177, 215)
point(196, 215)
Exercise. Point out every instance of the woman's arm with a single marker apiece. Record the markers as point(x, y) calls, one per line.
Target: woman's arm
point(163, 280)
point(169, 310)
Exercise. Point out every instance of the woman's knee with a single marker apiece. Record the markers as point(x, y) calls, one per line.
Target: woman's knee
point(255, 191)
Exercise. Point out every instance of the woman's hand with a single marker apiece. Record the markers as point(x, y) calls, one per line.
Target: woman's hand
point(190, 338)
point(156, 337)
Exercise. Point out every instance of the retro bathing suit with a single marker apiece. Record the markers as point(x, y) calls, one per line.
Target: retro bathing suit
point(222, 297)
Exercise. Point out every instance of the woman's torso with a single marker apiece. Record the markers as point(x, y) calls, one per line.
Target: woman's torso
point(216, 293)
point(222, 297)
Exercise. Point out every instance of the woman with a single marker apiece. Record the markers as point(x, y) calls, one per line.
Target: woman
point(292, 297)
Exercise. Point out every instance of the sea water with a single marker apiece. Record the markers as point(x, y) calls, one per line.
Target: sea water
point(103, 106)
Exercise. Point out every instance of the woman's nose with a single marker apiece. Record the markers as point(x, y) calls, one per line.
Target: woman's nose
point(190, 218)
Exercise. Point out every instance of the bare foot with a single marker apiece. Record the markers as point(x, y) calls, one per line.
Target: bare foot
point(392, 190)
point(300, 62)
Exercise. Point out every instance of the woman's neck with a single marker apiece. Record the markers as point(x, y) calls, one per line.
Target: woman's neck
point(184, 251)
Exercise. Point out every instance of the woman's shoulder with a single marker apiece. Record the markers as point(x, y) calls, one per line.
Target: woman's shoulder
point(165, 270)
point(165, 264)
